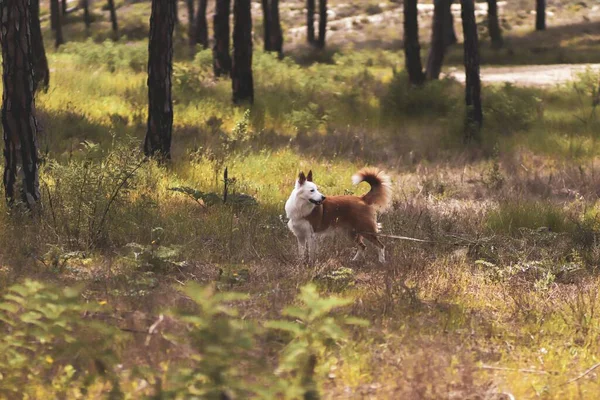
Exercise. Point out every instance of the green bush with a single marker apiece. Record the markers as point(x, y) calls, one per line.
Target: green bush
point(509, 109)
point(113, 56)
point(511, 216)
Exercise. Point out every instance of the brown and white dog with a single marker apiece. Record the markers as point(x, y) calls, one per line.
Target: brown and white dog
point(311, 214)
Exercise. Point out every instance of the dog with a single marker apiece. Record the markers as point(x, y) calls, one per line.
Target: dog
point(311, 214)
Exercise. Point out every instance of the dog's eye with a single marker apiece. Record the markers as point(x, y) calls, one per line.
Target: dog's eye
point(312, 190)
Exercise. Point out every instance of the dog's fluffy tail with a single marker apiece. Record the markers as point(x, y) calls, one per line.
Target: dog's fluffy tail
point(380, 194)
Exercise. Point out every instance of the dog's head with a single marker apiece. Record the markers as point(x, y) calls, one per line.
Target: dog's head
point(306, 190)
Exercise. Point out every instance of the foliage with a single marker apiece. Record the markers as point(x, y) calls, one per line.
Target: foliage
point(113, 56)
point(509, 109)
point(510, 217)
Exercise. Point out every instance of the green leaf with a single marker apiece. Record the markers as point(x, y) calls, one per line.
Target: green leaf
point(287, 326)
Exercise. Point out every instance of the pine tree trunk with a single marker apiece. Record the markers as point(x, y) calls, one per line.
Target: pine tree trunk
point(241, 73)
point(191, 28)
point(221, 57)
point(474, 117)
point(41, 73)
point(64, 8)
point(160, 68)
point(322, 23)
point(56, 18)
point(310, 21)
point(438, 45)
point(266, 11)
point(86, 14)
point(540, 15)
point(18, 105)
point(494, 25)
point(449, 35)
point(176, 13)
point(202, 25)
point(412, 49)
point(276, 33)
point(113, 16)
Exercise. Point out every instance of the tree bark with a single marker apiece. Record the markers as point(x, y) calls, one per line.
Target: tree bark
point(494, 25)
point(241, 73)
point(276, 32)
point(449, 35)
point(438, 45)
point(41, 73)
point(310, 21)
point(64, 7)
point(56, 18)
point(474, 117)
point(412, 49)
point(322, 23)
point(221, 57)
point(18, 105)
point(86, 14)
point(191, 28)
point(266, 11)
point(201, 25)
point(160, 68)
point(540, 15)
point(113, 15)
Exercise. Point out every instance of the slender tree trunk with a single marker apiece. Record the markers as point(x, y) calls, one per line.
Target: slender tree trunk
point(64, 7)
point(191, 28)
point(201, 25)
point(241, 73)
point(176, 13)
point(474, 117)
point(266, 11)
point(310, 21)
point(540, 15)
point(494, 25)
point(322, 23)
point(55, 16)
point(449, 35)
point(18, 105)
point(438, 45)
point(276, 32)
point(86, 14)
point(160, 68)
point(221, 57)
point(412, 49)
point(113, 16)
point(41, 73)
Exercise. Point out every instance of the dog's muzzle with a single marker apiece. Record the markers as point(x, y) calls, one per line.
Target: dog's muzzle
point(317, 203)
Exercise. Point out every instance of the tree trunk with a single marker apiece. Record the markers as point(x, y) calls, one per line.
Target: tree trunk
point(41, 73)
point(64, 7)
point(113, 15)
point(201, 25)
point(450, 34)
point(176, 13)
point(86, 14)
point(310, 21)
point(322, 23)
point(191, 28)
point(494, 25)
point(56, 18)
point(160, 68)
point(276, 33)
point(266, 10)
point(221, 57)
point(18, 105)
point(241, 73)
point(438, 45)
point(540, 15)
point(474, 117)
point(412, 49)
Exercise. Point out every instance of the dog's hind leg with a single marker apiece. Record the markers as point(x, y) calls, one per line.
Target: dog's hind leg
point(380, 246)
point(361, 246)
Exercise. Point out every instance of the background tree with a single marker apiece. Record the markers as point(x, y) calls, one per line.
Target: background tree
point(160, 68)
point(266, 10)
point(412, 49)
point(85, 4)
point(450, 35)
point(221, 57)
point(273, 36)
point(474, 117)
point(202, 25)
point(540, 15)
point(56, 23)
point(241, 73)
point(310, 21)
point(18, 104)
point(191, 27)
point(113, 16)
point(64, 7)
point(41, 73)
point(494, 25)
point(438, 43)
point(322, 23)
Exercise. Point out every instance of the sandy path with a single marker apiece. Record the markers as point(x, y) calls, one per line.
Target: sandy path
point(529, 75)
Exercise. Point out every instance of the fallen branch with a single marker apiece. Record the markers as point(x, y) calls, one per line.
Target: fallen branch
point(153, 328)
point(528, 371)
point(587, 371)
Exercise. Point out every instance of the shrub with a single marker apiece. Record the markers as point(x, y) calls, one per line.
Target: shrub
point(509, 109)
point(514, 215)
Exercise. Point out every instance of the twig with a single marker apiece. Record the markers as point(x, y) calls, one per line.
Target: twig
point(153, 328)
point(587, 371)
point(528, 371)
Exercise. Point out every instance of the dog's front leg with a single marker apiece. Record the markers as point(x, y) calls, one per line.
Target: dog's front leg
point(312, 248)
point(301, 247)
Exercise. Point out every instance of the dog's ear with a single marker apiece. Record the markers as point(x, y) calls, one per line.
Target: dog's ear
point(309, 176)
point(301, 178)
